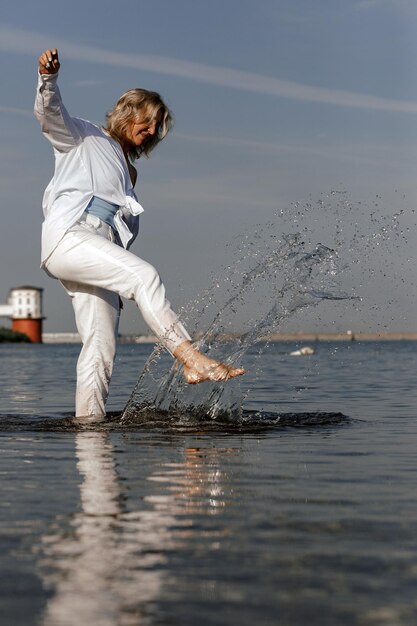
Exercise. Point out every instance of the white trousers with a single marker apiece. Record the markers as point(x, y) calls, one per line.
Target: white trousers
point(95, 271)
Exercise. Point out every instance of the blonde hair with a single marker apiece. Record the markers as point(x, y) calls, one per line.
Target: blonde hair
point(146, 106)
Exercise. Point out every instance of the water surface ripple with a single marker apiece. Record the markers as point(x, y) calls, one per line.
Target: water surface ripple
point(302, 512)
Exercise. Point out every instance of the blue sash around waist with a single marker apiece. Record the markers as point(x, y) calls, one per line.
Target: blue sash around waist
point(103, 210)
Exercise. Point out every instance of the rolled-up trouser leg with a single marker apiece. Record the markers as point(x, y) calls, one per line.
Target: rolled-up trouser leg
point(97, 318)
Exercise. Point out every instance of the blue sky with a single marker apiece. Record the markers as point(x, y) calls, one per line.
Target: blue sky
point(275, 102)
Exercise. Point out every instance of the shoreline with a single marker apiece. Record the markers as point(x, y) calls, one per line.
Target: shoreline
point(301, 337)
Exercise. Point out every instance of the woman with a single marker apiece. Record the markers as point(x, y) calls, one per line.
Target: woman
point(91, 219)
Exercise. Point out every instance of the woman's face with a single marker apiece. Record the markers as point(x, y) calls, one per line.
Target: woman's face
point(138, 131)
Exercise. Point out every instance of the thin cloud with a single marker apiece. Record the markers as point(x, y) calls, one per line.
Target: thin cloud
point(365, 154)
point(88, 83)
point(403, 6)
point(370, 4)
point(17, 41)
point(15, 111)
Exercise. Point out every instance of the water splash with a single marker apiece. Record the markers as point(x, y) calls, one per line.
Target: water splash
point(270, 280)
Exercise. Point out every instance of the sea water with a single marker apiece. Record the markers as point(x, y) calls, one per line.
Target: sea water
point(311, 520)
point(283, 497)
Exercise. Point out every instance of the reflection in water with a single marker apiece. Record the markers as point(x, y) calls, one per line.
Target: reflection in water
point(110, 566)
point(196, 484)
point(20, 389)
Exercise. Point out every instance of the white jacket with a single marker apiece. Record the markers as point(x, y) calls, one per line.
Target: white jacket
point(87, 163)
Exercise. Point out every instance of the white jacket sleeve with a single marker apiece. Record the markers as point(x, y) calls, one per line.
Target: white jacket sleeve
point(63, 131)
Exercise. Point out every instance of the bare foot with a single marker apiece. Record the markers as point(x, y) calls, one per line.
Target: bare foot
point(198, 367)
point(217, 372)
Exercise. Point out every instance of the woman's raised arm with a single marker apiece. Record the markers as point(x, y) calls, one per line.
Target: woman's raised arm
point(63, 131)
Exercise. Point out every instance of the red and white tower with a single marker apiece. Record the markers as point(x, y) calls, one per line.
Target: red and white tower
point(24, 307)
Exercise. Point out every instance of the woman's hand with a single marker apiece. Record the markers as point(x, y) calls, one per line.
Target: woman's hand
point(48, 62)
